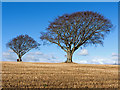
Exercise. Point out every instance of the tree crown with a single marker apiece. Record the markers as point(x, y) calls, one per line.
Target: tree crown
point(71, 31)
point(22, 44)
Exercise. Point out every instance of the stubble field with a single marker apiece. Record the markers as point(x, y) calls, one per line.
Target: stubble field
point(58, 75)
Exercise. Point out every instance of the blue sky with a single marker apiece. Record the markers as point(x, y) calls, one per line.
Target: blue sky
point(60, 1)
point(31, 18)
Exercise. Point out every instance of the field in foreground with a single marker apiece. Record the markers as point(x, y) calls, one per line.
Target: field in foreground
point(58, 75)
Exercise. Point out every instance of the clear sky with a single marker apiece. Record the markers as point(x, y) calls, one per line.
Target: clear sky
point(60, 0)
point(31, 18)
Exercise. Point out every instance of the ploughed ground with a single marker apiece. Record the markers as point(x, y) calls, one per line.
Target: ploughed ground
point(58, 75)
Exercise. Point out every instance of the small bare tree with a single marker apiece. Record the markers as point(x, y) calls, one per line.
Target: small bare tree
point(75, 30)
point(22, 44)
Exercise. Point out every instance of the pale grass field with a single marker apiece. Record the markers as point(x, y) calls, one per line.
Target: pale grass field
point(58, 75)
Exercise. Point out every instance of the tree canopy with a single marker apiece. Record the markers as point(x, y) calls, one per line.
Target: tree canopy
point(71, 31)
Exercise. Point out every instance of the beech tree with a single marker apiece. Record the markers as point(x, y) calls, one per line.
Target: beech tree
point(22, 44)
point(72, 31)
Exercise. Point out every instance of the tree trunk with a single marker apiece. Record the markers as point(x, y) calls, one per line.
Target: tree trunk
point(19, 60)
point(69, 57)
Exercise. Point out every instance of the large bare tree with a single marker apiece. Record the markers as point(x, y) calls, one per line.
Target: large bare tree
point(75, 30)
point(22, 44)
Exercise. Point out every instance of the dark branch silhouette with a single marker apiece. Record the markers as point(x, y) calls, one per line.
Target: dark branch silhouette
point(75, 30)
point(22, 44)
